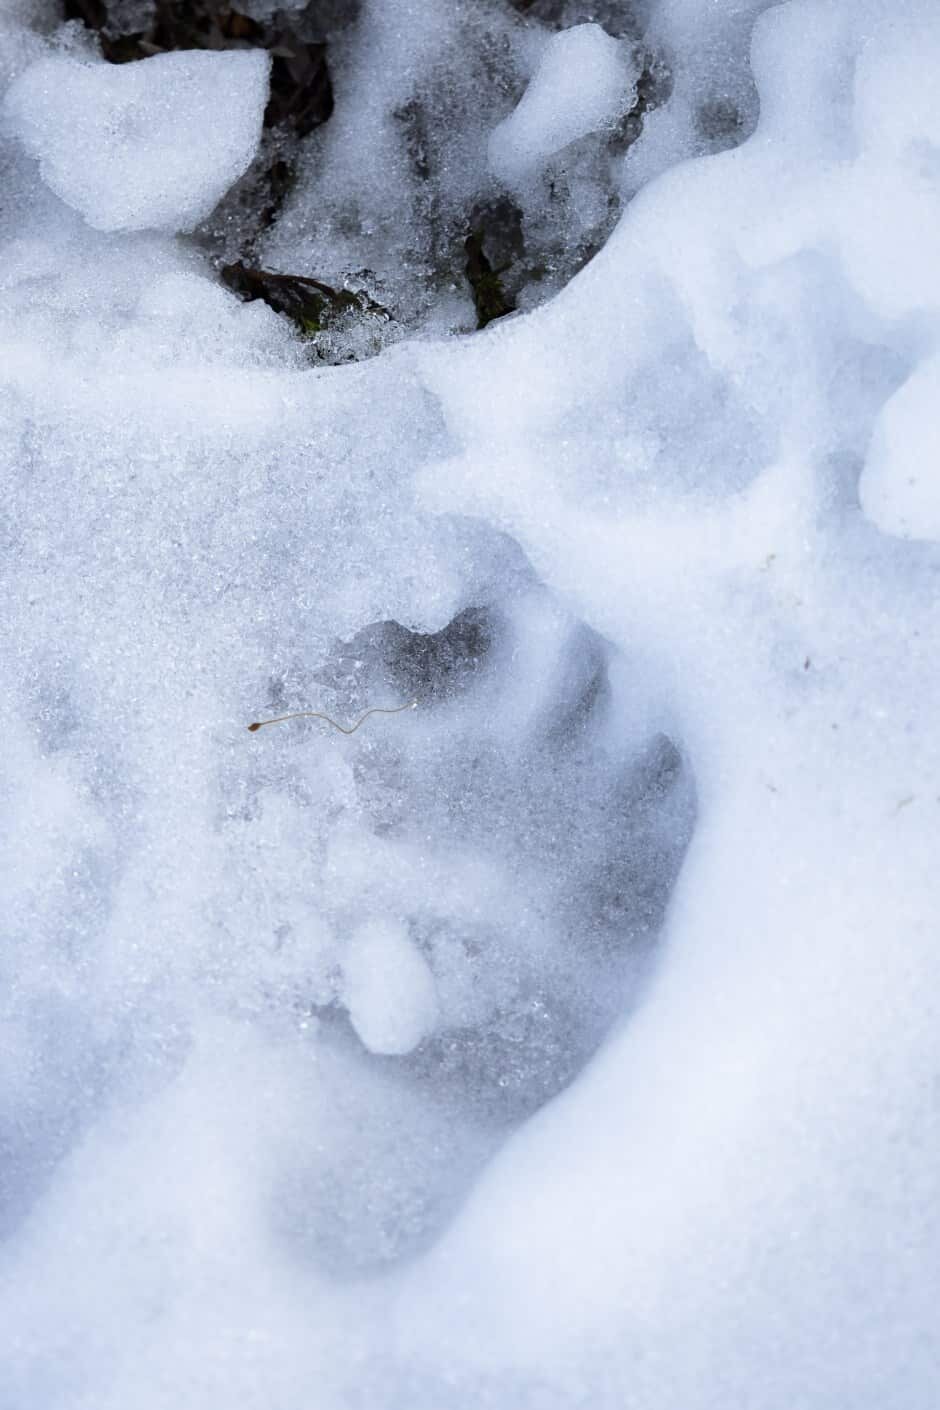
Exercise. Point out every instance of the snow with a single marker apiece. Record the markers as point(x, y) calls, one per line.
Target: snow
point(900, 485)
point(585, 80)
point(388, 989)
point(572, 1039)
point(151, 145)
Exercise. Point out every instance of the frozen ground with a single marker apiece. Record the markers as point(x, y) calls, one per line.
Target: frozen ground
point(570, 1040)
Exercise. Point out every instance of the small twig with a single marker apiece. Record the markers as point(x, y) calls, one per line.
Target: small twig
point(343, 729)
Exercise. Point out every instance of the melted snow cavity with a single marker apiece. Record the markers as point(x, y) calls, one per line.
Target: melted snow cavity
point(568, 1039)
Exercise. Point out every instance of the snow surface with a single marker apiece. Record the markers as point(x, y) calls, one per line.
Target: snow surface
point(662, 834)
point(151, 145)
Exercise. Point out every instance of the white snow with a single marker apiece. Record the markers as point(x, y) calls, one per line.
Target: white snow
point(585, 80)
point(500, 1053)
point(388, 988)
point(900, 486)
point(151, 145)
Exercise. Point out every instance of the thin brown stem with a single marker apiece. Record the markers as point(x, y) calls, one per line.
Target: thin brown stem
point(343, 729)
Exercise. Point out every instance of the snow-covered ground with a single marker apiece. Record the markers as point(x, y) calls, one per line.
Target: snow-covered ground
point(570, 1040)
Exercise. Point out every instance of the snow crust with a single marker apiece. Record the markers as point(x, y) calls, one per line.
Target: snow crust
point(151, 145)
point(571, 1040)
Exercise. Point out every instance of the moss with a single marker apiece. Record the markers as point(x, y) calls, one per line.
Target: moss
point(489, 297)
point(309, 303)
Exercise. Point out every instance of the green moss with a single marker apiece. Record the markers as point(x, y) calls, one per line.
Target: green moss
point(489, 297)
point(309, 303)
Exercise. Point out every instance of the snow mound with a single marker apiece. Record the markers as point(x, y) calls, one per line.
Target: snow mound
point(390, 993)
point(585, 81)
point(151, 145)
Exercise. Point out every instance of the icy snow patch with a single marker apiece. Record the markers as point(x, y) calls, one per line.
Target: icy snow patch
point(585, 81)
point(151, 145)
